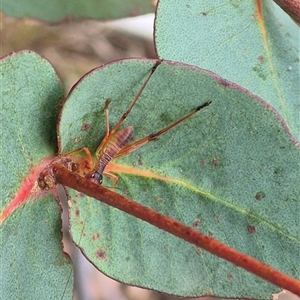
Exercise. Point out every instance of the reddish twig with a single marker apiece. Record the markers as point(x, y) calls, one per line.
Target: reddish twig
point(96, 191)
point(291, 7)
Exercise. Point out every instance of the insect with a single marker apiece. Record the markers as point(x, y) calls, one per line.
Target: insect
point(115, 143)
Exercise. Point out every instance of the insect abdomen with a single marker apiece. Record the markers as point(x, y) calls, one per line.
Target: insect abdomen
point(113, 146)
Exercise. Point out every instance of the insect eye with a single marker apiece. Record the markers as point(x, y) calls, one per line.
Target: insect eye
point(96, 176)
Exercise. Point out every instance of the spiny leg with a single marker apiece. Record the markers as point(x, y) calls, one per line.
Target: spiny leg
point(152, 137)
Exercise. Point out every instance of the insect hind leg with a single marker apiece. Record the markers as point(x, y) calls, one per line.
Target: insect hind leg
point(154, 136)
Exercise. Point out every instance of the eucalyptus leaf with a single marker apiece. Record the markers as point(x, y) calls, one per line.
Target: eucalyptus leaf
point(232, 168)
point(32, 262)
point(252, 43)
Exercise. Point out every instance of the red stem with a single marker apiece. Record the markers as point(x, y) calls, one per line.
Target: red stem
point(291, 7)
point(96, 191)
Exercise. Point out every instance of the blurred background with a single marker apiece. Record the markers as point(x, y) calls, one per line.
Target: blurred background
point(74, 48)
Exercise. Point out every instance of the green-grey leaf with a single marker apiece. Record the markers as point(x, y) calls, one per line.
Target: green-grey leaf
point(233, 168)
point(30, 91)
point(232, 40)
point(32, 261)
point(55, 11)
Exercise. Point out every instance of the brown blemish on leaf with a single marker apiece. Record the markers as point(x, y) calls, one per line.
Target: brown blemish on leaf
point(77, 213)
point(260, 195)
point(196, 223)
point(95, 236)
point(100, 254)
point(230, 276)
point(261, 58)
point(251, 228)
point(202, 162)
point(215, 162)
point(85, 127)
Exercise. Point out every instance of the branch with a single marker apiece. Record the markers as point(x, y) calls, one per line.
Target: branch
point(291, 7)
point(96, 191)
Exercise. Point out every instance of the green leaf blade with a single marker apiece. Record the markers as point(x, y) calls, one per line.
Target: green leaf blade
point(28, 87)
point(31, 251)
point(31, 254)
point(232, 167)
point(257, 51)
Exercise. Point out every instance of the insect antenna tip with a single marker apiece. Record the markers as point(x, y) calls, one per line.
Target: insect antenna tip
point(203, 105)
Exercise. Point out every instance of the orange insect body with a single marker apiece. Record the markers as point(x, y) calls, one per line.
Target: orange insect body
point(113, 147)
point(115, 143)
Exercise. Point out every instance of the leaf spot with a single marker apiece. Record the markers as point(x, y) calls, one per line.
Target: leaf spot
point(85, 127)
point(215, 162)
point(261, 58)
point(100, 254)
point(196, 223)
point(251, 228)
point(95, 236)
point(260, 195)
